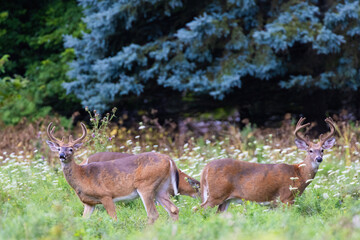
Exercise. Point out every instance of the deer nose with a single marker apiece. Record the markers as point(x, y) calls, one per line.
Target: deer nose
point(62, 155)
point(319, 159)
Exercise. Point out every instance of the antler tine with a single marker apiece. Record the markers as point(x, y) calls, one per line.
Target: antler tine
point(51, 135)
point(331, 124)
point(299, 126)
point(84, 132)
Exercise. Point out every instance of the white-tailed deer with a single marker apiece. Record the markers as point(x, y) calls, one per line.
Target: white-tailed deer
point(226, 179)
point(187, 185)
point(150, 176)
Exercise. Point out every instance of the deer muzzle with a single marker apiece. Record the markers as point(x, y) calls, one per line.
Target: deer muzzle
point(319, 159)
point(62, 156)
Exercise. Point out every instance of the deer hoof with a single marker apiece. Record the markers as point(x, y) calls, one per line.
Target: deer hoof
point(173, 209)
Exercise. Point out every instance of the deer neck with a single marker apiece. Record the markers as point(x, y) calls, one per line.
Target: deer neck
point(72, 173)
point(306, 171)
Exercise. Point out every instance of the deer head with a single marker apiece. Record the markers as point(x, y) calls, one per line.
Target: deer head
point(191, 189)
point(315, 151)
point(65, 150)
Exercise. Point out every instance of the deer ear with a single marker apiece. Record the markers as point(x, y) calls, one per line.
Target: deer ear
point(194, 183)
point(53, 146)
point(77, 146)
point(302, 145)
point(329, 143)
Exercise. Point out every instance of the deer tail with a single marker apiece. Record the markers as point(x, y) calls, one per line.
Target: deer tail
point(174, 175)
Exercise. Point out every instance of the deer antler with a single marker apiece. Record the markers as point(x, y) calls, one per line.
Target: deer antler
point(71, 140)
point(84, 132)
point(51, 136)
point(300, 126)
point(331, 133)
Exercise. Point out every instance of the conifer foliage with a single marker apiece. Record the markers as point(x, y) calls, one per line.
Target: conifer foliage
point(209, 47)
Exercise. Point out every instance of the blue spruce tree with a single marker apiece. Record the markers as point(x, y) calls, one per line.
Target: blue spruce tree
point(209, 47)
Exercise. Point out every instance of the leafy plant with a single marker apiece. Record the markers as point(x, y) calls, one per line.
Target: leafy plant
point(33, 36)
point(100, 141)
point(10, 86)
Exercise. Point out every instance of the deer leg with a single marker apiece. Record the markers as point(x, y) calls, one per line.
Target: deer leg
point(109, 206)
point(287, 199)
point(212, 202)
point(223, 207)
point(88, 210)
point(169, 206)
point(147, 198)
point(207, 204)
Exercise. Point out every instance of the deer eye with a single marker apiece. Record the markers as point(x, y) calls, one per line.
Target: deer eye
point(58, 149)
point(322, 150)
point(71, 150)
point(310, 150)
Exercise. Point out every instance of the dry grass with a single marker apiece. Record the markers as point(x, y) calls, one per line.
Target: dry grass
point(150, 135)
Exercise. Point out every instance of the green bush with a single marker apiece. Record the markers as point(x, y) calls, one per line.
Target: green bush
point(33, 36)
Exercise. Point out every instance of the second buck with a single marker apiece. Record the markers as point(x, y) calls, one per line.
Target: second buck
point(226, 179)
point(150, 175)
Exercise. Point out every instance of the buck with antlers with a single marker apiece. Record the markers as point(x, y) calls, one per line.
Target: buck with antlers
point(149, 175)
point(226, 179)
point(187, 185)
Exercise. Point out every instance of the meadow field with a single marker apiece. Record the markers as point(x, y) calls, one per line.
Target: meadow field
point(36, 202)
point(196, 80)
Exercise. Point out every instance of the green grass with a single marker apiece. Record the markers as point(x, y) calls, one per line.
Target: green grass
point(37, 203)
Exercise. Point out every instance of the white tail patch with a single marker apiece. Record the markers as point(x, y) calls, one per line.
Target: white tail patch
point(206, 189)
point(173, 178)
point(206, 193)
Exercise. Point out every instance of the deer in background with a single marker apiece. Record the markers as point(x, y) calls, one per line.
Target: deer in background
point(225, 179)
point(149, 175)
point(187, 185)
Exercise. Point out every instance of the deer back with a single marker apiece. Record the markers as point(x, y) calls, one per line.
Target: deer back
point(187, 185)
point(249, 181)
point(105, 156)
